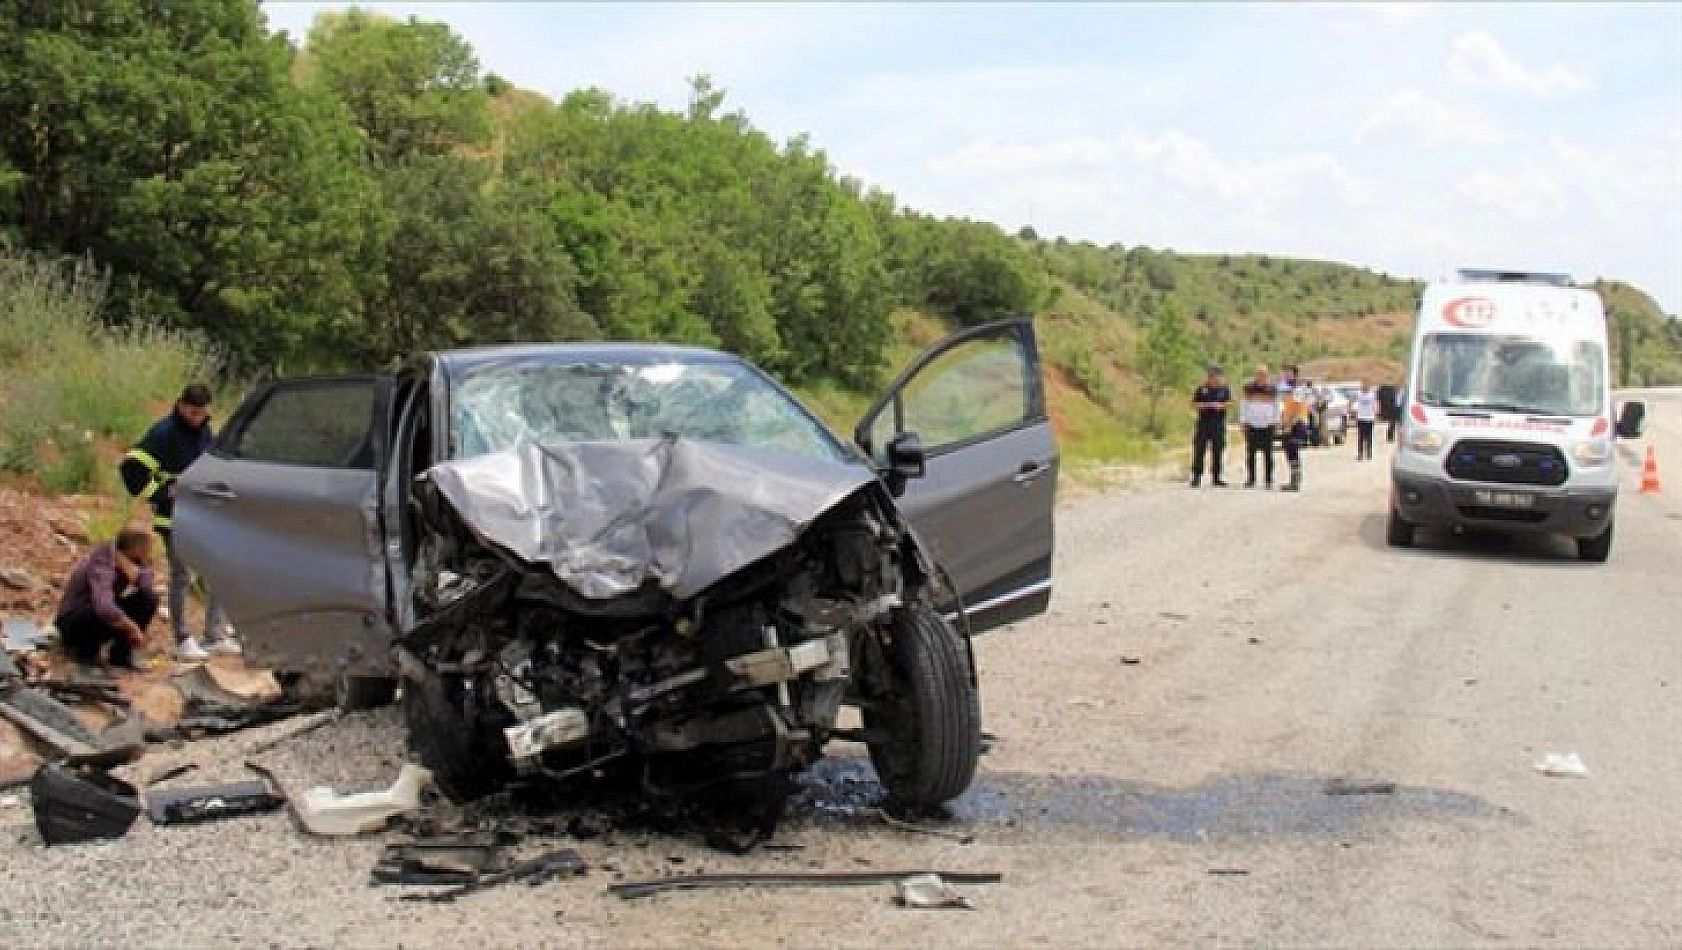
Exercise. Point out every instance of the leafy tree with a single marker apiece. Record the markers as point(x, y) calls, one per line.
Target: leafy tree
point(465, 264)
point(413, 87)
point(175, 148)
point(1164, 359)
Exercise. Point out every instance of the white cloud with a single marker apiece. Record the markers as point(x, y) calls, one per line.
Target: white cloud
point(1480, 59)
point(1412, 118)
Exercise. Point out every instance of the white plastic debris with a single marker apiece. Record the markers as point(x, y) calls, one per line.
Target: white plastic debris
point(930, 891)
point(323, 811)
point(1562, 765)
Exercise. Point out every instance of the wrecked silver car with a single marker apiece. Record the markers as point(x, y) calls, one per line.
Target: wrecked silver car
point(635, 559)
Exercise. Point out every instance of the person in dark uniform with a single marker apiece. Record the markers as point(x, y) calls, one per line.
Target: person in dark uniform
point(1389, 409)
point(1211, 401)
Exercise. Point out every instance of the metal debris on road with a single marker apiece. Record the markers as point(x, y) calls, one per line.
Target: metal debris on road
point(631, 890)
point(902, 825)
point(1344, 786)
point(929, 891)
point(542, 869)
point(457, 860)
point(304, 728)
point(1562, 765)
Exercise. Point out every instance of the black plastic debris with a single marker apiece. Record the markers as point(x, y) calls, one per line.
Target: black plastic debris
point(542, 869)
point(74, 804)
point(189, 806)
point(455, 861)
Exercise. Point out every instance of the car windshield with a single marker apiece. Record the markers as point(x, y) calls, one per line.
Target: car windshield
point(1512, 374)
point(503, 407)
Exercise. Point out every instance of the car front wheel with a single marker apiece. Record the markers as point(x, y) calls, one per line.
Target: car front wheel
point(1596, 549)
point(465, 764)
point(1398, 533)
point(925, 738)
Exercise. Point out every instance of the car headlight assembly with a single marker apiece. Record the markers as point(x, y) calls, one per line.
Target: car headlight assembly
point(1593, 452)
point(1425, 441)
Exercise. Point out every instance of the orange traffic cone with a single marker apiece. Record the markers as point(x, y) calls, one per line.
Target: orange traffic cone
point(1650, 474)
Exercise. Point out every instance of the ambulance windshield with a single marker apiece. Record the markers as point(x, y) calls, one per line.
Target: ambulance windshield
point(1491, 373)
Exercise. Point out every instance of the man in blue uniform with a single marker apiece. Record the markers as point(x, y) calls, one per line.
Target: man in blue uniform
point(1211, 401)
point(149, 471)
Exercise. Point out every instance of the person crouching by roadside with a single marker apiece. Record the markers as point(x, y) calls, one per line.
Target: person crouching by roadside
point(1366, 418)
point(1211, 401)
point(1259, 414)
point(109, 601)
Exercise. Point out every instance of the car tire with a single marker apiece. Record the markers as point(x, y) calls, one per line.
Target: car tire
point(1398, 533)
point(925, 739)
point(1596, 549)
point(356, 693)
point(464, 766)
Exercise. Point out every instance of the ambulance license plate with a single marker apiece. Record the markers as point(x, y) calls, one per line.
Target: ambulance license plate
point(1505, 499)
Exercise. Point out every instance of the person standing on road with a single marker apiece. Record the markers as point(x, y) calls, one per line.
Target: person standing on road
point(109, 601)
point(1366, 417)
point(1295, 399)
point(150, 471)
point(1259, 414)
point(1211, 401)
point(1389, 409)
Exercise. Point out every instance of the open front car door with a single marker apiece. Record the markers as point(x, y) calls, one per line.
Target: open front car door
point(970, 413)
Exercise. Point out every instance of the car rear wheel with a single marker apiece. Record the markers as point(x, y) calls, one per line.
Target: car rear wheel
point(1398, 533)
point(925, 739)
point(465, 765)
point(1596, 549)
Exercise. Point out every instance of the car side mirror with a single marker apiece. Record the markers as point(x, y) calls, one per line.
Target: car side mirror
point(1630, 418)
point(906, 460)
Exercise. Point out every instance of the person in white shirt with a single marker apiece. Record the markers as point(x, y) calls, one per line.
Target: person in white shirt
point(1366, 417)
point(1259, 414)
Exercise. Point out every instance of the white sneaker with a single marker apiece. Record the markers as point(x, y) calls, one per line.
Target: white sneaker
point(190, 651)
point(225, 646)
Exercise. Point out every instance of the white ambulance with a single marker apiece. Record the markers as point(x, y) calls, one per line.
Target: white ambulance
point(1507, 416)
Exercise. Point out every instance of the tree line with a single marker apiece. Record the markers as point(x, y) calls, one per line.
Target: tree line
point(372, 190)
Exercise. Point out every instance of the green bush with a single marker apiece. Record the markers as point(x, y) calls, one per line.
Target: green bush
point(70, 383)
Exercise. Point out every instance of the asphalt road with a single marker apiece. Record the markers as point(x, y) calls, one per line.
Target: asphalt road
point(1245, 722)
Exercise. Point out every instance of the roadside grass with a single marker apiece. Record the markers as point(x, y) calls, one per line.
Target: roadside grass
point(73, 390)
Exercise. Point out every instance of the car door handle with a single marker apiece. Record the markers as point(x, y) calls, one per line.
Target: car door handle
point(215, 490)
point(1030, 471)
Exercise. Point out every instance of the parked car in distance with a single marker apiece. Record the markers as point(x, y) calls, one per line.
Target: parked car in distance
point(1337, 412)
point(640, 560)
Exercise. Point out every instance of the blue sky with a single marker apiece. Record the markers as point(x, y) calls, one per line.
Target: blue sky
point(1410, 137)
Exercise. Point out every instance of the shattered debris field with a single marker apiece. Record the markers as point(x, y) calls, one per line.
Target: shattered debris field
point(1178, 754)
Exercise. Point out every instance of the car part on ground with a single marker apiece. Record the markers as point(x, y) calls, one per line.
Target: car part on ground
point(322, 811)
point(81, 804)
point(632, 890)
point(189, 806)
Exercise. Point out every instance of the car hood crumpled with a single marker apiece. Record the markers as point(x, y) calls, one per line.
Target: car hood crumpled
point(607, 517)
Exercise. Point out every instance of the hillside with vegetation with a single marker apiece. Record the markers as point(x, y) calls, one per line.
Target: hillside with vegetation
point(191, 195)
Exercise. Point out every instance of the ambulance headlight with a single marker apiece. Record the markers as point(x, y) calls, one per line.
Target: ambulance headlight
point(1593, 452)
point(1425, 441)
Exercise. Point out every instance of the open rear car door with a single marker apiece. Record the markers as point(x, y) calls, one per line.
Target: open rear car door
point(983, 505)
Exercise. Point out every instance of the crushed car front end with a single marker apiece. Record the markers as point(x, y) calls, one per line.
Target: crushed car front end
point(676, 612)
